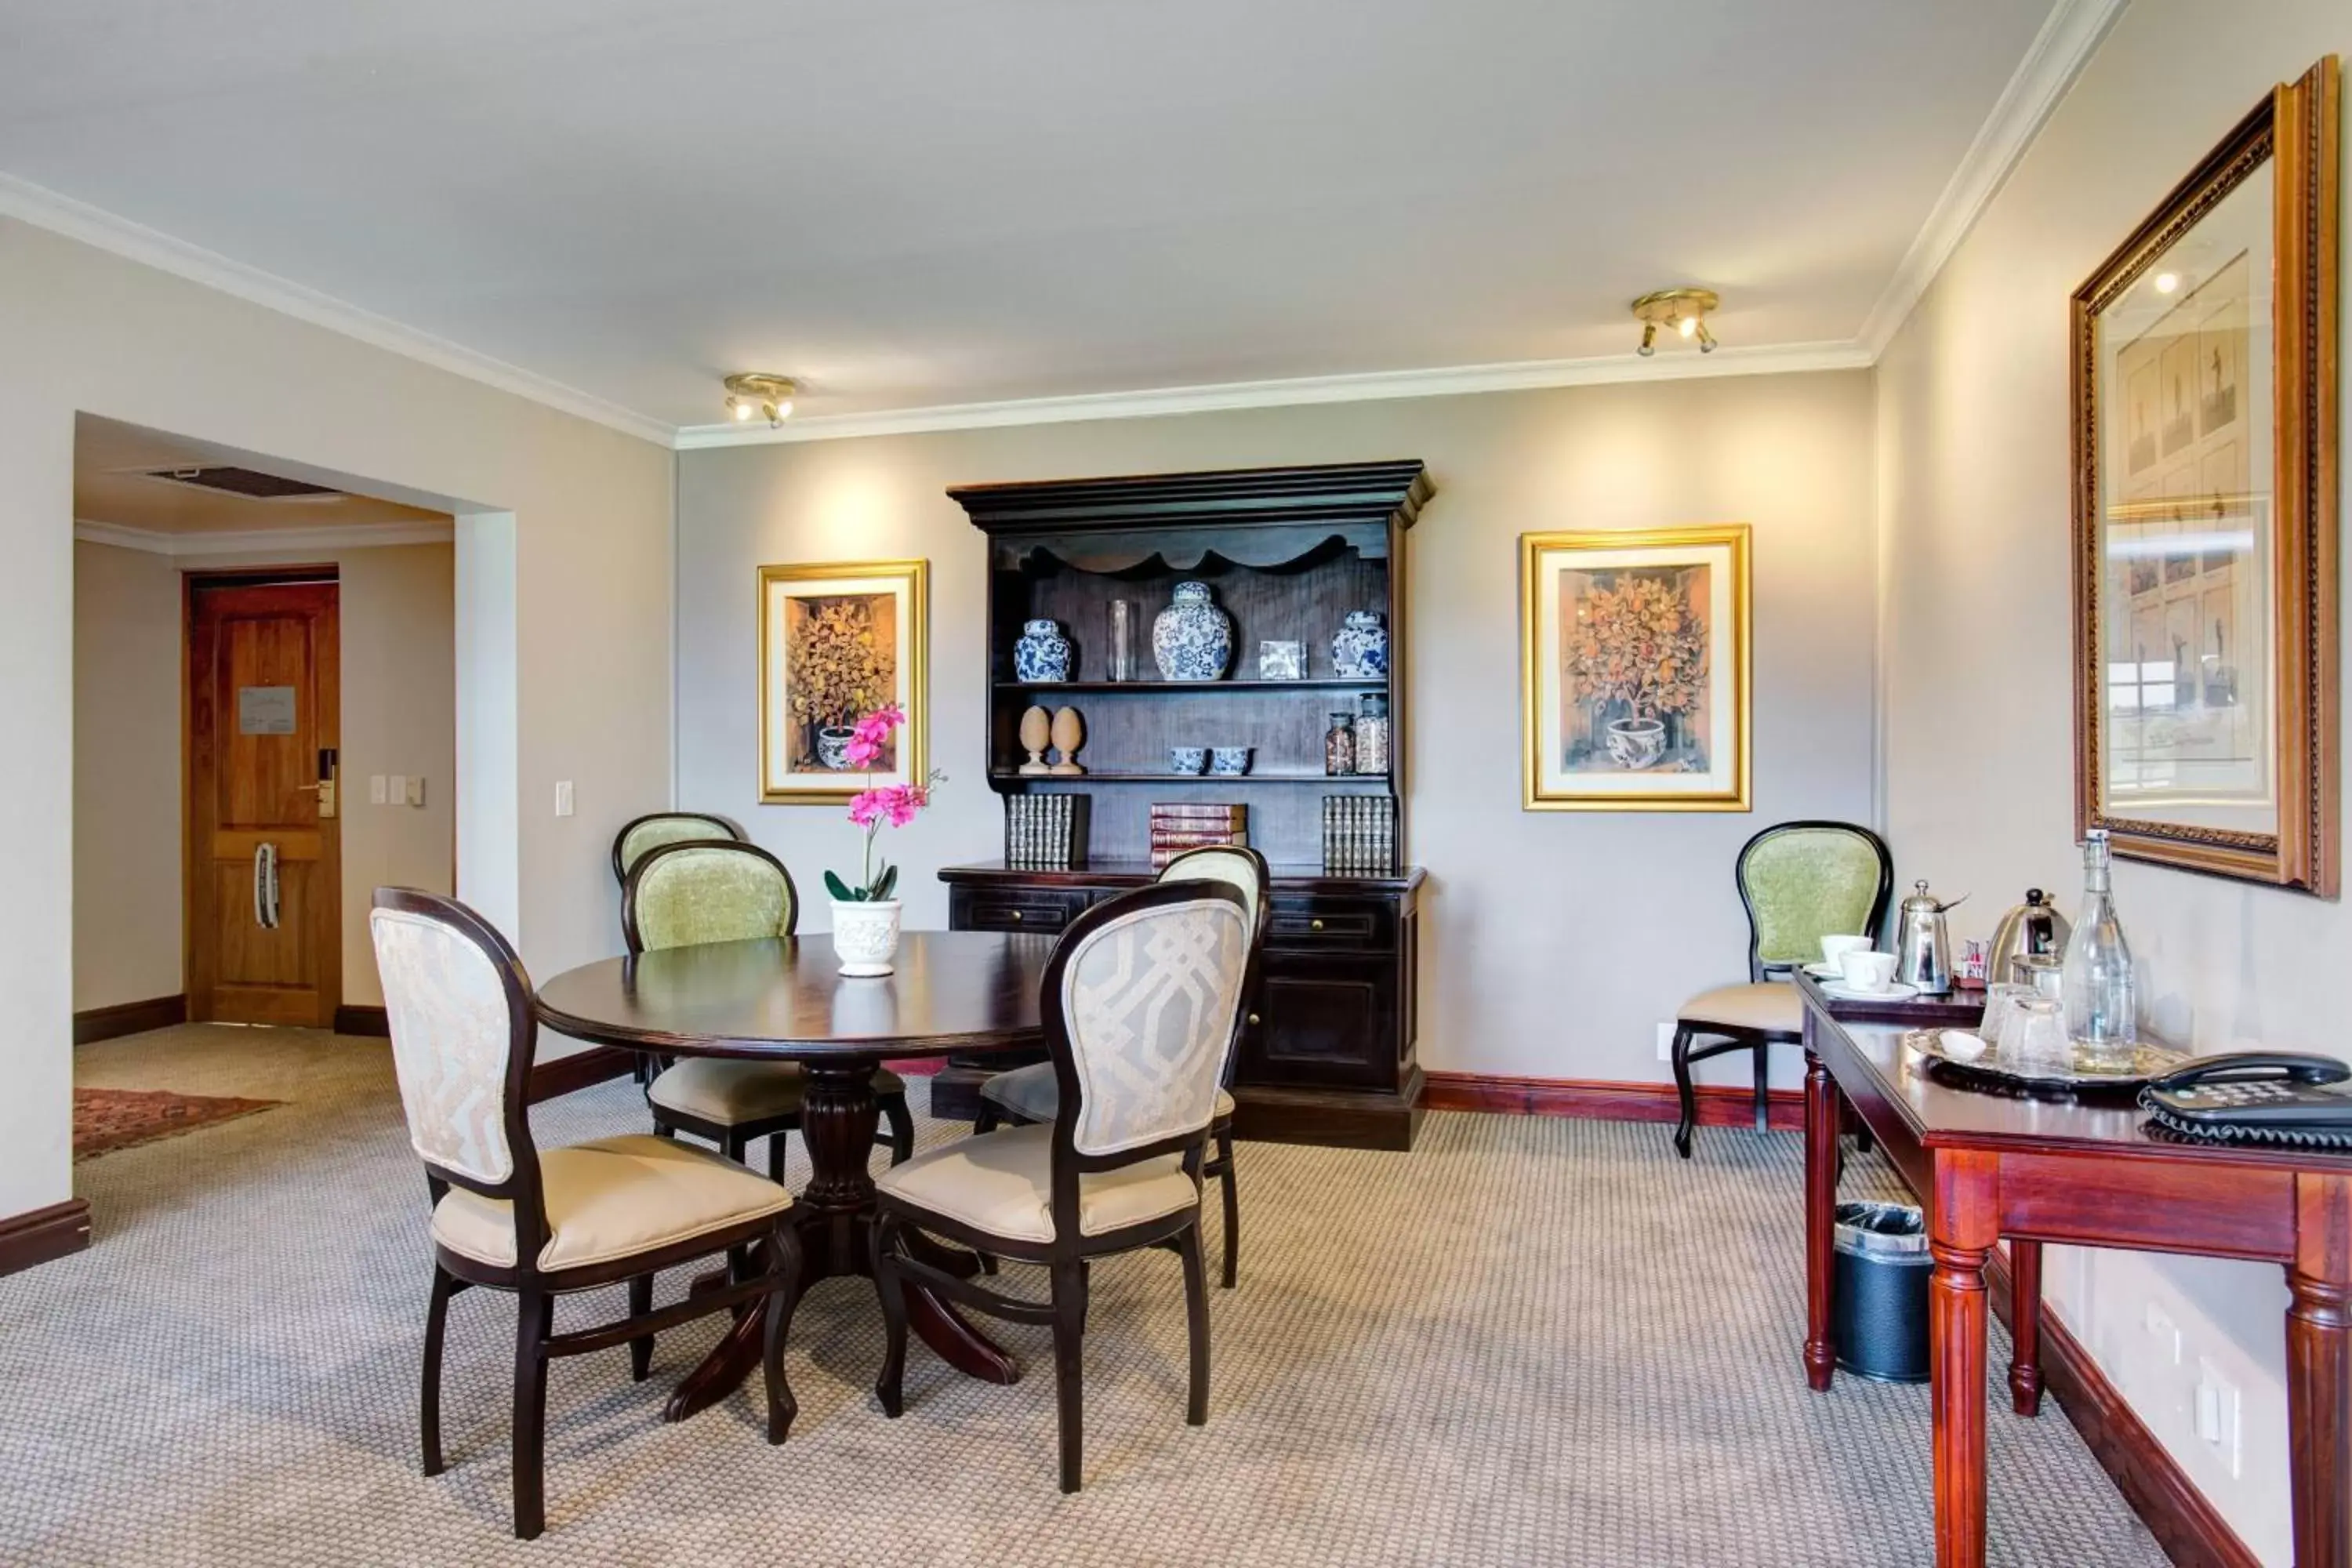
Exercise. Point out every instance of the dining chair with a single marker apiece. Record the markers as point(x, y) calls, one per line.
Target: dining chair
point(642, 836)
point(1799, 881)
point(694, 891)
point(509, 1216)
point(1026, 1095)
point(1141, 1004)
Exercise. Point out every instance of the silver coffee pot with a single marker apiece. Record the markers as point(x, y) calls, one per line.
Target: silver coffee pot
point(2029, 929)
point(1923, 949)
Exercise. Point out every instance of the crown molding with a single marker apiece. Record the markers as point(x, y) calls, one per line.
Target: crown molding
point(1446, 382)
point(2070, 34)
point(261, 540)
point(44, 208)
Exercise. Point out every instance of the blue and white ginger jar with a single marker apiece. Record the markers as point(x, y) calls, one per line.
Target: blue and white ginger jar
point(1360, 648)
point(1042, 653)
point(1192, 639)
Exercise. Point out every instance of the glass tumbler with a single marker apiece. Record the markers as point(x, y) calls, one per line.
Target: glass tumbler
point(2003, 1002)
point(2043, 1045)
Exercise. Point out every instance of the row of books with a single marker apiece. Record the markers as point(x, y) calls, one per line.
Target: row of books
point(1359, 835)
point(1179, 825)
point(1046, 831)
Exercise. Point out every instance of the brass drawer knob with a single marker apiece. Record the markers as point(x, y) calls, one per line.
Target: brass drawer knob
point(1017, 914)
point(1314, 925)
point(1252, 1018)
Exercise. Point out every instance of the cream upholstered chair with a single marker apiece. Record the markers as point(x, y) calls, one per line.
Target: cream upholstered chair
point(1142, 1003)
point(1799, 881)
point(510, 1217)
point(688, 892)
point(1026, 1094)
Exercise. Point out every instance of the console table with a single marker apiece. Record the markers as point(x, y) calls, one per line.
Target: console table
point(2085, 1175)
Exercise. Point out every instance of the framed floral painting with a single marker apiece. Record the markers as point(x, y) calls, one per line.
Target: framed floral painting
point(836, 642)
point(1633, 670)
point(2205, 512)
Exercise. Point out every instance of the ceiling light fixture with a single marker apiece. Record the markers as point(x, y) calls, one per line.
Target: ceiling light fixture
point(1684, 309)
point(2165, 282)
point(750, 395)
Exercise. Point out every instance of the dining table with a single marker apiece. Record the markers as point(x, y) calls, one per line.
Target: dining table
point(784, 999)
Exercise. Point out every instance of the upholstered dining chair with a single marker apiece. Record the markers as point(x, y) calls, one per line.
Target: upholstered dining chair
point(1141, 1004)
point(694, 891)
point(642, 836)
point(539, 1224)
point(1026, 1094)
point(1798, 882)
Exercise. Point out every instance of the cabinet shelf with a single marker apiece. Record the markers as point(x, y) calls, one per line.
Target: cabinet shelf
point(1139, 688)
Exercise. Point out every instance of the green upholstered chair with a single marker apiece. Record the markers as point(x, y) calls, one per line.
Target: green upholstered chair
point(1026, 1095)
point(642, 837)
point(1800, 881)
point(682, 894)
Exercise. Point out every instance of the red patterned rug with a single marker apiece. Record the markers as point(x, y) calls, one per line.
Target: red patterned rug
point(106, 1120)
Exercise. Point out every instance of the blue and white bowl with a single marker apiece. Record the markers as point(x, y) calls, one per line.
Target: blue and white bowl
point(1042, 653)
point(1360, 648)
point(1230, 762)
point(1187, 758)
point(1192, 639)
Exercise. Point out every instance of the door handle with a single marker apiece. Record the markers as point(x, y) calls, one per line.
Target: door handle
point(265, 886)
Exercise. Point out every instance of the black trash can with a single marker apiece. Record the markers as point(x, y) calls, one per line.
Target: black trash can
point(1881, 1270)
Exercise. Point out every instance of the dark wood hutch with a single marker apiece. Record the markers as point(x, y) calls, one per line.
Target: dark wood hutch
point(1327, 1056)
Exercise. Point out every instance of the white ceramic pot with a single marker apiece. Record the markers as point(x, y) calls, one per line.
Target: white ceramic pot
point(1636, 742)
point(865, 936)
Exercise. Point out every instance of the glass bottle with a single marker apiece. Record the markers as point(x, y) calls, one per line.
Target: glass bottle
point(2101, 1014)
point(1340, 746)
point(1122, 640)
point(1372, 734)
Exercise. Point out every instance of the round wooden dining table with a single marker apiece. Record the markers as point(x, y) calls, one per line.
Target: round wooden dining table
point(786, 1000)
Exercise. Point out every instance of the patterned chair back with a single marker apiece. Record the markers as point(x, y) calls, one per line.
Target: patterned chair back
point(1141, 1005)
point(647, 834)
point(682, 895)
point(1802, 882)
point(462, 1038)
point(1245, 869)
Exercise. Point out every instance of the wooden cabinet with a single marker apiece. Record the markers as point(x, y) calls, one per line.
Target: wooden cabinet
point(1327, 1056)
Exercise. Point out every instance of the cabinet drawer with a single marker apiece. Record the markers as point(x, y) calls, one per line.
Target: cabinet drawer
point(1310, 923)
point(1044, 910)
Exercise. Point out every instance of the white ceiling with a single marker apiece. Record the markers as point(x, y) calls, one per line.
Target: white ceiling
point(914, 202)
point(113, 488)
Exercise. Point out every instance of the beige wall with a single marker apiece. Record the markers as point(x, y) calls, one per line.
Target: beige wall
point(87, 331)
point(1974, 464)
point(1554, 941)
point(399, 687)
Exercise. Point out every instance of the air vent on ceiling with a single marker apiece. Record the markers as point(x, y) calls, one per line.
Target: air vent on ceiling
point(250, 483)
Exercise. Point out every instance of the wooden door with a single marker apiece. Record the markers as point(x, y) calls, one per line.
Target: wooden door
point(263, 727)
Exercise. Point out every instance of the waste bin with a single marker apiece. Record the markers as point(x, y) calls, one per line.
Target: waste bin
point(1881, 1270)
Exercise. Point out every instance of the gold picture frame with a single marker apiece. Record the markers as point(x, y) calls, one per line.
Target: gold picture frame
point(1678, 739)
point(2205, 512)
point(838, 639)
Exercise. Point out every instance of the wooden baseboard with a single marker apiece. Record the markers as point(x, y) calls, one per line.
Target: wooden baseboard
point(129, 1019)
point(1720, 1105)
point(371, 1021)
point(566, 1075)
point(43, 1236)
point(2184, 1523)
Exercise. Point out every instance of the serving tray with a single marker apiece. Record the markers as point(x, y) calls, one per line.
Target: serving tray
point(1989, 1075)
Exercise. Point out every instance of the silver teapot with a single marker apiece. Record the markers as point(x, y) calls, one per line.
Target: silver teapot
point(1923, 949)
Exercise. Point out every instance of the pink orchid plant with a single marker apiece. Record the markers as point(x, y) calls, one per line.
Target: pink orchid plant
point(870, 807)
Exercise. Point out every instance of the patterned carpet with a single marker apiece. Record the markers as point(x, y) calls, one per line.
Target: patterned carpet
point(1528, 1342)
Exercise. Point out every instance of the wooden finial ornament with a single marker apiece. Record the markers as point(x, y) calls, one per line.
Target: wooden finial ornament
point(1037, 734)
point(1068, 735)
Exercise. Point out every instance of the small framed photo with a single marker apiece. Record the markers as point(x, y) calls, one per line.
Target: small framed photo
point(1282, 661)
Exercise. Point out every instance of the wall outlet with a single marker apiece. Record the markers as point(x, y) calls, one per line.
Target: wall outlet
point(416, 789)
point(563, 797)
point(2165, 1335)
point(1665, 1042)
point(375, 789)
point(2217, 1415)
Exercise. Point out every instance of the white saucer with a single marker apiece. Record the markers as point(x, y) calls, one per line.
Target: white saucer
point(1823, 971)
point(1897, 990)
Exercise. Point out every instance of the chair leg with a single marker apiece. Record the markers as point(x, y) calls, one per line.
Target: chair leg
point(779, 1147)
point(1069, 1385)
point(1196, 1322)
point(902, 1128)
point(1760, 1054)
point(534, 1322)
point(1688, 1096)
point(1233, 1206)
point(428, 1407)
point(641, 1351)
point(890, 1387)
point(784, 1274)
point(984, 1118)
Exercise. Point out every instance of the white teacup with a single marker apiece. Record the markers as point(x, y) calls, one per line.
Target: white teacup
point(1863, 970)
point(1835, 948)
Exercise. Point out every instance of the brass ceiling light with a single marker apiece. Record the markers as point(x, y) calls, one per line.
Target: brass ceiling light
point(1683, 310)
point(751, 394)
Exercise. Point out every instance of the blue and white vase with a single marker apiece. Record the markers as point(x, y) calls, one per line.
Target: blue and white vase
point(1360, 648)
point(1042, 653)
point(1192, 639)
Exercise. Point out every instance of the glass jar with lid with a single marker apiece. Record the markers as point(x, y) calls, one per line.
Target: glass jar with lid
point(1339, 745)
point(1372, 734)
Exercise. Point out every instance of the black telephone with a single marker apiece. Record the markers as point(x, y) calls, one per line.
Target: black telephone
point(2256, 1096)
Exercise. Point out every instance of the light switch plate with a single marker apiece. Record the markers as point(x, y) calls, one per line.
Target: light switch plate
point(375, 789)
point(1665, 1042)
point(416, 789)
point(396, 788)
point(563, 797)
